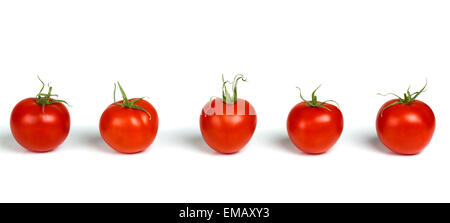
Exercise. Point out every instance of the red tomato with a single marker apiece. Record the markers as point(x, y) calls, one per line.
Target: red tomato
point(406, 125)
point(314, 127)
point(129, 127)
point(38, 128)
point(227, 133)
point(405, 128)
point(228, 124)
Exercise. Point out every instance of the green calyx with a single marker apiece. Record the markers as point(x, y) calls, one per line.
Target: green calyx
point(314, 102)
point(45, 98)
point(408, 97)
point(128, 104)
point(226, 97)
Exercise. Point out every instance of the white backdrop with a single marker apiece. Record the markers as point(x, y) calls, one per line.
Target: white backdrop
point(175, 51)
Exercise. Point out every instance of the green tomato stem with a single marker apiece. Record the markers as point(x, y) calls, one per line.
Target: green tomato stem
point(314, 102)
point(408, 97)
point(226, 97)
point(44, 99)
point(126, 103)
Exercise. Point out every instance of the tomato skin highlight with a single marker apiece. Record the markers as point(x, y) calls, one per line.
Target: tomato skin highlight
point(314, 130)
point(38, 130)
point(227, 128)
point(129, 130)
point(405, 128)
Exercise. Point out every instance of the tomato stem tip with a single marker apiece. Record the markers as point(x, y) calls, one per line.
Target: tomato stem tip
point(45, 99)
point(314, 102)
point(226, 97)
point(127, 103)
point(408, 97)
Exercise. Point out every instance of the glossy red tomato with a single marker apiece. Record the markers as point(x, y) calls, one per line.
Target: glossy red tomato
point(129, 127)
point(40, 124)
point(224, 128)
point(405, 128)
point(314, 127)
point(228, 124)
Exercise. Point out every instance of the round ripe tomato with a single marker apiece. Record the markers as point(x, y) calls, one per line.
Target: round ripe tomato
point(405, 125)
point(313, 126)
point(227, 133)
point(40, 124)
point(129, 126)
point(228, 124)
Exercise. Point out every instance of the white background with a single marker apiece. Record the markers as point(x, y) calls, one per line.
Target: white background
point(175, 51)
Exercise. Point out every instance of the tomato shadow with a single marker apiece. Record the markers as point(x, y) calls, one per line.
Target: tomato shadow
point(97, 142)
point(375, 144)
point(284, 144)
point(371, 141)
point(91, 140)
point(287, 145)
point(195, 141)
point(9, 144)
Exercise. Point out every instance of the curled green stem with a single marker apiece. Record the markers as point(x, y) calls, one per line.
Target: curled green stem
point(127, 103)
point(226, 97)
point(408, 97)
point(45, 98)
point(314, 102)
